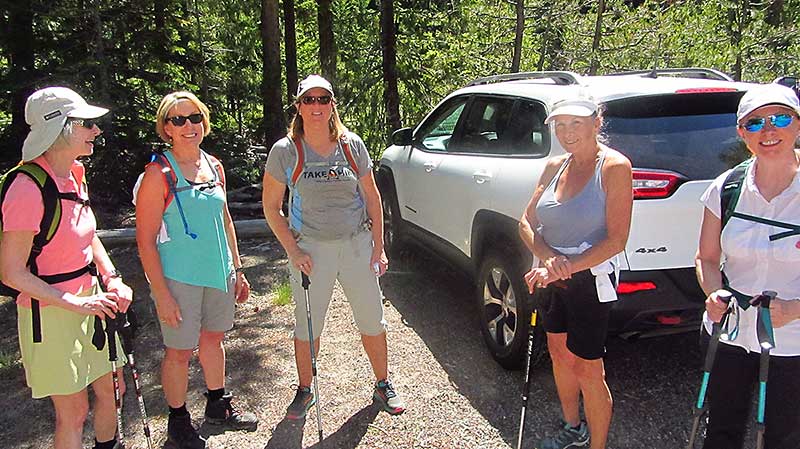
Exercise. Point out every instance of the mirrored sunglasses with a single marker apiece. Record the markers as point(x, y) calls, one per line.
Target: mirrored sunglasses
point(756, 124)
point(180, 120)
point(87, 123)
point(310, 99)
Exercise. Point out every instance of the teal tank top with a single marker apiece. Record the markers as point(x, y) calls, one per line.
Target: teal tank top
point(206, 260)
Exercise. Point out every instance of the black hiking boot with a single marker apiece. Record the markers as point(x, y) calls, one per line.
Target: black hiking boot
point(222, 413)
point(182, 433)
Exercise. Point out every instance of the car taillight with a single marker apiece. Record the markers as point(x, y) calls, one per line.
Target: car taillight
point(625, 288)
point(652, 184)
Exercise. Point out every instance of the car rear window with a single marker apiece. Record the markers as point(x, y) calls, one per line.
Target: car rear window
point(693, 134)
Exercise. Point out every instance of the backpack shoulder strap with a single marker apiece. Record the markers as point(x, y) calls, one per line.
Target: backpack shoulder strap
point(170, 178)
point(216, 165)
point(348, 154)
point(299, 161)
point(51, 217)
point(731, 190)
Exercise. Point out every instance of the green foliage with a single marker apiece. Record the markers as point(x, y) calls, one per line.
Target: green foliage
point(282, 294)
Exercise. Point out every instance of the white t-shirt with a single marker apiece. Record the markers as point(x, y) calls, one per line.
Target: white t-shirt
point(753, 263)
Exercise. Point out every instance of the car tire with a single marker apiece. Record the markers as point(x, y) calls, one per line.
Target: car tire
point(392, 237)
point(505, 309)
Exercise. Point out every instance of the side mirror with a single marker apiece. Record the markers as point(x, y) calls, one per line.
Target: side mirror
point(402, 137)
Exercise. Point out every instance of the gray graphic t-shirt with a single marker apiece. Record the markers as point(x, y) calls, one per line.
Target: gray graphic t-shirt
point(326, 202)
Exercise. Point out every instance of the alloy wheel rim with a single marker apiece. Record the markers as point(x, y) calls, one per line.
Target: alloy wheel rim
point(500, 307)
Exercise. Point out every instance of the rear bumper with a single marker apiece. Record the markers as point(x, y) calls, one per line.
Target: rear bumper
point(676, 302)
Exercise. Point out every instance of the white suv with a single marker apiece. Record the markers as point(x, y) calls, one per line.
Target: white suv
point(457, 183)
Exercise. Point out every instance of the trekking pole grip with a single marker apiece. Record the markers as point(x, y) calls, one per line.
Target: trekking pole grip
point(306, 281)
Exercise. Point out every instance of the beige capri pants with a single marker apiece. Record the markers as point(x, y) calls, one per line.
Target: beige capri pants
point(348, 261)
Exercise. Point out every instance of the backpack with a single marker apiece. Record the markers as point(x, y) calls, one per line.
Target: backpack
point(301, 158)
point(51, 218)
point(171, 180)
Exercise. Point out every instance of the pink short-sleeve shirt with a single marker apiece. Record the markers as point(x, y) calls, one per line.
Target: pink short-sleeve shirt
point(71, 246)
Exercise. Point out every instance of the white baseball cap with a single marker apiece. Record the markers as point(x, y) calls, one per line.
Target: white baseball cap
point(764, 95)
point(581, 107)
point(311, 82)
point(46, 111)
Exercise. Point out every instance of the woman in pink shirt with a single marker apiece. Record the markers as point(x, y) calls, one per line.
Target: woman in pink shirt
point(58, 353)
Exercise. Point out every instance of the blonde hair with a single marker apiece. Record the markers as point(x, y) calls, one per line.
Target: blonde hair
point(170, 101)
point(336, 128)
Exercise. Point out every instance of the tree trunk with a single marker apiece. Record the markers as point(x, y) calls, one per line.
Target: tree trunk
point(598, 33)
point(21, 74)
point(391, 96)
point(327, 44)
point(290, 44)
point(274, 122)
point(518, 33)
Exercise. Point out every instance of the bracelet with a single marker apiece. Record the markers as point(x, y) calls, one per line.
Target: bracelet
point(113, 274)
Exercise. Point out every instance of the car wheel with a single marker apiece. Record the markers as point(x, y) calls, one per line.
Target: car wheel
point(391, 220)
point(505, 310)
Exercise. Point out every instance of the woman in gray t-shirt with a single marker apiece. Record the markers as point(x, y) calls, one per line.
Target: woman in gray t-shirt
point(334, 231)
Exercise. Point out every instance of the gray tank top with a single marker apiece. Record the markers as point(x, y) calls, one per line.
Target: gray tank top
point(579, 219)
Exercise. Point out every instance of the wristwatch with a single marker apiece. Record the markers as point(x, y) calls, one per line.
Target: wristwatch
point(113, 274)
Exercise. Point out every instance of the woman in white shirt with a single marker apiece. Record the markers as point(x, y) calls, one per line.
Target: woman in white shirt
point(769, 124)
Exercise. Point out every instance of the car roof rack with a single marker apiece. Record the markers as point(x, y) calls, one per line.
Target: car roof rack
point(559, 77)
point(688, 72)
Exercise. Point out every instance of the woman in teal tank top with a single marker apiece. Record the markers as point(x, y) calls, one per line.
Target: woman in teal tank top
point(187, 244)
point(575, 224)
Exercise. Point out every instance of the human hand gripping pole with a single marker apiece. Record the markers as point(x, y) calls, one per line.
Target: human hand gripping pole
point(711, 352)
point(766, 339)
point(306, 282)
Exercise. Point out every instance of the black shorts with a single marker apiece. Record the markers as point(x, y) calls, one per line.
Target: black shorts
point(572, 306)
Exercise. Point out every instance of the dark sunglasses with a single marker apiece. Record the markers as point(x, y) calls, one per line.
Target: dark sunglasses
point(180, 120)
point(310, 99)
point(87, 123)
point(755, 125)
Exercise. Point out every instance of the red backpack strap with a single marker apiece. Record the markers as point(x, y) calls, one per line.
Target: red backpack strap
point(299, 162)
point(349, 155)
point(170, 178)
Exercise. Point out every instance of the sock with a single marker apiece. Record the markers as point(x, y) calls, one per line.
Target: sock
point(105, 445)
point(215, 395)
point(180, 411)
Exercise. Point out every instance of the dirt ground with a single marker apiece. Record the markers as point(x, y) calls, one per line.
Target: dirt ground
point(456, 396)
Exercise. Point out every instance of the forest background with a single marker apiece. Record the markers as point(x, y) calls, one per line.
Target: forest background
point(390, 60)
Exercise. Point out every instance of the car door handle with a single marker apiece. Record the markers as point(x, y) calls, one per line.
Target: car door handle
point(482, 176)
point(429, 166)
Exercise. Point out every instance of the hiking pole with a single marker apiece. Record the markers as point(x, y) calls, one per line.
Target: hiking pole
point(766, 339)
point(527, 388)
point(127, 333)
point(306, 283)
point(111, 331)
point(711, 352)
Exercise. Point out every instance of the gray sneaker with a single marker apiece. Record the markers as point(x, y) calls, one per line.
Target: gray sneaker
point(303, 401)
point(388, 398)
point(567, 437)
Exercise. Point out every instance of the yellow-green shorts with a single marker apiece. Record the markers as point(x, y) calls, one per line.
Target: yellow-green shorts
point(65, 362)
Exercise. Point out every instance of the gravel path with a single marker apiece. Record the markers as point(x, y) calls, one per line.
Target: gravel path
point(457, 397)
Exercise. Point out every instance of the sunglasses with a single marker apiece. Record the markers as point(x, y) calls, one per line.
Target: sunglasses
point(755, 125)
point(310, 99)
point(87, 123)
point(180, 120)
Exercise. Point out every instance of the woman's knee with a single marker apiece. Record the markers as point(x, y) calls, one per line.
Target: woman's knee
point(71, 411)
point(208, 338)
point(104, 387)
point(589, 371)
point(559, 353)
point(182, 356)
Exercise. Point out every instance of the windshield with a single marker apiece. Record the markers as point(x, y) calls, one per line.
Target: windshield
point(692, 134)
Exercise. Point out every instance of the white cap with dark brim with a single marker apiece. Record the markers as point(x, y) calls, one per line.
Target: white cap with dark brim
point(765, 95)
point(576, 107)
point(312, 81)
point(46, 111)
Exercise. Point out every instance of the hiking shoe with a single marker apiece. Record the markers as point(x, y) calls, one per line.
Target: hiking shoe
point(567, 437)
point(222, 413)
point(303, 401)
point(182, 433)
point(388, 398)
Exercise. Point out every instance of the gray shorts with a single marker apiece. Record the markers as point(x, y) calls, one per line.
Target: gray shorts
point(348, 261)
point(206, 308)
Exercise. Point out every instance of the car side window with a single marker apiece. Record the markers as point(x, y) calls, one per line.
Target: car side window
point(436, 132)
point(484, 126)
point(526, 133)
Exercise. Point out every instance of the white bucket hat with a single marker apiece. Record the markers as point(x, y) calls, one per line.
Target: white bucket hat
point(312, 81)
point(765, 95)
point(581, 107)
point(46, 111)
